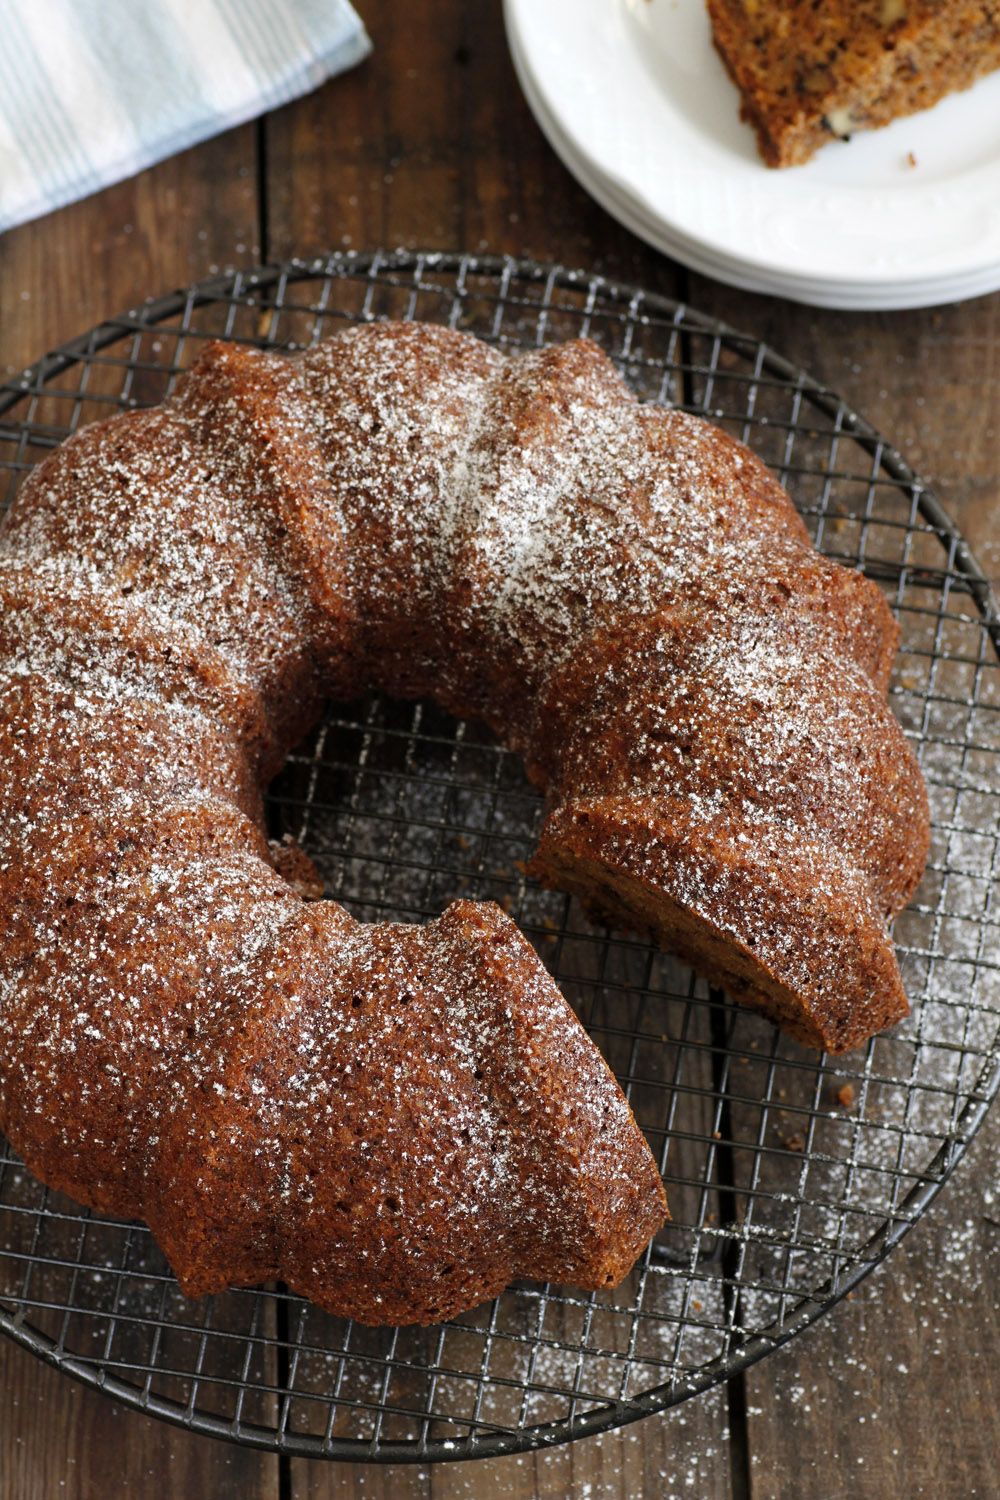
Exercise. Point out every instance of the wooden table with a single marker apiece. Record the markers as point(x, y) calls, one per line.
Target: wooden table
point(428, 144)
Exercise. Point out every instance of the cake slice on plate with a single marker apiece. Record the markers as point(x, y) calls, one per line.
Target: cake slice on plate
point(808, 73)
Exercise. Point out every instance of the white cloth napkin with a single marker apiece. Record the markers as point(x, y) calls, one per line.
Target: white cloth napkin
point(94, 90)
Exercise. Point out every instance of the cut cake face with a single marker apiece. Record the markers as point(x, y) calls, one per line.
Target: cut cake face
point(809, 72)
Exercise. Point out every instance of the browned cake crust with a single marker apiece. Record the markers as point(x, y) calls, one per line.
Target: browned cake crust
point(808, 73)
point(397, 1120)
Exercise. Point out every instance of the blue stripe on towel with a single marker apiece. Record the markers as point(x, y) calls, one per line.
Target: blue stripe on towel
point(92, 91)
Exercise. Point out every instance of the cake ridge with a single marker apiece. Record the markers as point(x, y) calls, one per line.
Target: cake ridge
point(517, 537)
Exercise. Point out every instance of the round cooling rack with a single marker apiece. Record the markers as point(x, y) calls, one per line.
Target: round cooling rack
point(790, 1175)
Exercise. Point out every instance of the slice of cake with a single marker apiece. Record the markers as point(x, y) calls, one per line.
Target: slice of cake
point(808, 72)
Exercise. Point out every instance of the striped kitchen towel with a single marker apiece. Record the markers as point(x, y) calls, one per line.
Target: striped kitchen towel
point(94, 90)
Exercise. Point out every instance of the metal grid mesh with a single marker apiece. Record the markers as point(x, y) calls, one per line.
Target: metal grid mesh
point(788, 1177)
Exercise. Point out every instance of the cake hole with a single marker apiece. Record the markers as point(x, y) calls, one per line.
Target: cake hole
point(391, 1203)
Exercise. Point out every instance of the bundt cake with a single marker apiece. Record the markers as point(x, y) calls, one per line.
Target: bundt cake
point(397, 1120)
point(810, 73)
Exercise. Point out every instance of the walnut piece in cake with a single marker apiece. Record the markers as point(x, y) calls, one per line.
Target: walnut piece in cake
point(808, 73)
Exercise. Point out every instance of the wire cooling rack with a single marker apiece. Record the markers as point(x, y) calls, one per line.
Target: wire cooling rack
point(790, 1176)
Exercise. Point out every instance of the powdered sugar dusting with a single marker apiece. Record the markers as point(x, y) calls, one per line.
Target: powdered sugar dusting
point(183, 1034)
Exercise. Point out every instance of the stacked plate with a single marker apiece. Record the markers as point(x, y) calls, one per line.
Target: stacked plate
point(634, 98)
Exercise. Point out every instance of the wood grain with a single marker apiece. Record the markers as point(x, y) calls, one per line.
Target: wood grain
point(58, 276)
point(162, 229)
point(429, 144)
point(675, 1456)
point(58, 1438)
point(834, 1415)
point(928, 379)
point(896, 1392)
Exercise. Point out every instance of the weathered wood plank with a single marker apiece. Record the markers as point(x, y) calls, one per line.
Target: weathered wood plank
point(894, 1393)
point(430, 145)
point(897, 1391)
point(928, 379)
point(433, 147)
point(59, 1438)
point(169, 225)
point(58, 276)
point(672, 1457)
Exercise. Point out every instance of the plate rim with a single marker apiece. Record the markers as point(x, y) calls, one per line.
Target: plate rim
point(931, 288)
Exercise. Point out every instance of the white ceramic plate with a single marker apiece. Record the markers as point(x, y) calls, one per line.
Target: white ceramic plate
point(635, 100)
point(631, 214)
